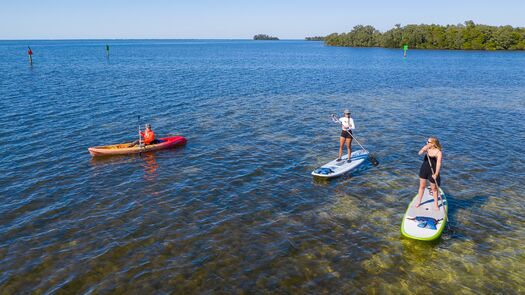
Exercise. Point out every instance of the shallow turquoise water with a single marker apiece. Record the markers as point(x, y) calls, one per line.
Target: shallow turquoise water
point(236, 210)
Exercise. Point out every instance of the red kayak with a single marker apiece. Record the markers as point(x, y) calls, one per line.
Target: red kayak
point(125, 149)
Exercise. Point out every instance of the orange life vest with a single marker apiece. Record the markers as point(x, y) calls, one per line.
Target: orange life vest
point(149, 136)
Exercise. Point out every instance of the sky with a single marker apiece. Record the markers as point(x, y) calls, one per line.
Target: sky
point(235, 19)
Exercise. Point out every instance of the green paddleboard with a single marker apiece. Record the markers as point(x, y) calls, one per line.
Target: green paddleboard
point(425, 223)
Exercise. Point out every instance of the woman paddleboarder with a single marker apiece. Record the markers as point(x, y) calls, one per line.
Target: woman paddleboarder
point(433, 156)
point(347, 123)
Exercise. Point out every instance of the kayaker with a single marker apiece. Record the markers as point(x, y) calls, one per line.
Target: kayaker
point(433, 150)
point(347, 124)
point(148, 135)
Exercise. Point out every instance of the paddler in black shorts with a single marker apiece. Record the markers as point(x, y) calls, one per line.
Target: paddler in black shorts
point(347, 124)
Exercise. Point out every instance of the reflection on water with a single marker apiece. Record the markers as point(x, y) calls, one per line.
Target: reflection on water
point(150, 166)
point(111, 160)
point(147, 160)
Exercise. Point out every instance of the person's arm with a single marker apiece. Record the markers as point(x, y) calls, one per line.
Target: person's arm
point(351, 124)
point(342, 121)
point(438, 165)
point(423, 150)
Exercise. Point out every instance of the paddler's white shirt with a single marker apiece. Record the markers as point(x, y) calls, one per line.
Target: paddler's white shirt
point(346, 123)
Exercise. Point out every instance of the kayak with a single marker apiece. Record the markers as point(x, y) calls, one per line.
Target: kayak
point(336, 168)
point(425, 223)
point(124, 149)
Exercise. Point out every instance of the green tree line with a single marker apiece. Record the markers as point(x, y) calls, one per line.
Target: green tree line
point(264, 37)
point(467, 36)
point(315, 38)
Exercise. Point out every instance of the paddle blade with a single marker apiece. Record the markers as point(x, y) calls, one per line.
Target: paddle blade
point(373, 160)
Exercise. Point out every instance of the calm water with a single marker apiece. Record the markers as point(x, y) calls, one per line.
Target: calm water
point(236, 210)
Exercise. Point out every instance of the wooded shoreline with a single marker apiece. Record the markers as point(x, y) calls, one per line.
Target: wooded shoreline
point(467, 36)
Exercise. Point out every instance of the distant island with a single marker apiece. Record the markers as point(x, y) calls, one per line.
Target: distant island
point(316, 38)
point(467, 36)
point(264, 37)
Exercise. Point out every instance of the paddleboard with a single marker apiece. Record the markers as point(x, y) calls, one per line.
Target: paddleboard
point(425, 223)
point(336, 168)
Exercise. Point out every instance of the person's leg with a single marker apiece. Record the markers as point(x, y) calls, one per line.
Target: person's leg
point(349, 148)
point(421, 191)
point(133, 143)
point(434, 194)
point(341, 143)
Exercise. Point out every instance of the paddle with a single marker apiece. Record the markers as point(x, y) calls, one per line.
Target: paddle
point(140, 137)
point(141, 146)
point(437, 186)
point(370, 156)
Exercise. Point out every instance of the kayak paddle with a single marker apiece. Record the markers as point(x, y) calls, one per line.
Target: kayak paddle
point(141, 146)
point(140, 138)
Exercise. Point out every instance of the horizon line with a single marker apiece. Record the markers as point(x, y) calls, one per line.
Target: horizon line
point(123, 39)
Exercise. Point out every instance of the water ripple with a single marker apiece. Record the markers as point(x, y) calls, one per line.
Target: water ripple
point(236, 209)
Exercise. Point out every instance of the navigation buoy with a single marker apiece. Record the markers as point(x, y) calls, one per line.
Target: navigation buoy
point(405, 48)
point(30, 53)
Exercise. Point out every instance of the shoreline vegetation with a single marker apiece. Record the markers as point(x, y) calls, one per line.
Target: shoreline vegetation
point(264, 37)
point(467, 36)
point(315, 38)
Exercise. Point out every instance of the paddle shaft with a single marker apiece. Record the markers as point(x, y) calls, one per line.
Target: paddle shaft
point(436, 183)
point(353, 137)
point(140, 137)
point(357, 141)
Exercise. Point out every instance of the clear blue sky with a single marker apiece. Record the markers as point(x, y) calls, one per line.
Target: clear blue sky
point(100, 19)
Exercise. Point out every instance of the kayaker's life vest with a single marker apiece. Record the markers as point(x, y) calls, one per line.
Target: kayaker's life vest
point(149, 136)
